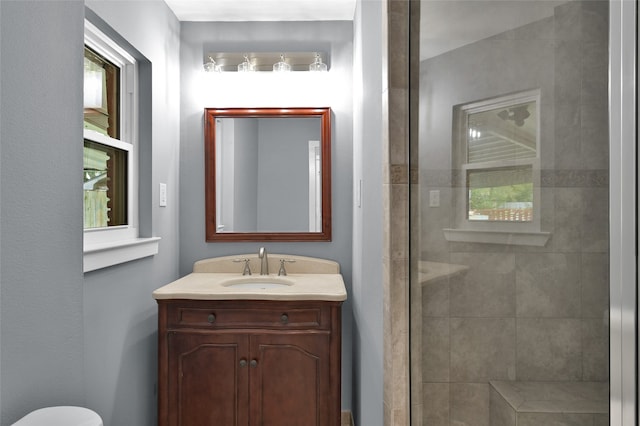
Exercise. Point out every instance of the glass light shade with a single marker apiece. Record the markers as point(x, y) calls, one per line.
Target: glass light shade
point(281, 66)
point(246, 66)
point(318, 65)
point(211, 66)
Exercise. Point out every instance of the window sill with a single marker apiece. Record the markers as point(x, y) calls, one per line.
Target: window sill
point(102, 255)
point(538, 239)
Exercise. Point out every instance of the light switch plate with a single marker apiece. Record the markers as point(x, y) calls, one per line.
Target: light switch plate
point(163, 195)
point(434, 198)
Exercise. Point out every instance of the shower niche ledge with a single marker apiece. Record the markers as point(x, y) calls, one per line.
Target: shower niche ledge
point(518, 238)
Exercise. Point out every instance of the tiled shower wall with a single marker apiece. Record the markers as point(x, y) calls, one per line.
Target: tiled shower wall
point(395, 108)
point(519, 312)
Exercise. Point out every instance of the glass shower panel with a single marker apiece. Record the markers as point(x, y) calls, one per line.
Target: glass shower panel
point(510, 214)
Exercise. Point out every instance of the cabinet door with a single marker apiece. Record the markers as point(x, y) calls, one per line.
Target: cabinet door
point(289, 379)
point(208, 379)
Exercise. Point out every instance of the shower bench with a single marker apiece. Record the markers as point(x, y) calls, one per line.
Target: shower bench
point(549, 403)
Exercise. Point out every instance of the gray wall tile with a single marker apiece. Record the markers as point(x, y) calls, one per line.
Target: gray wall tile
point(595, 285)
point(547, 285)
point(595, 220)
point(600, 420)
point(482, 349)
point(435, 298)
point(501, 413)
point(488, 287)
point(435, 350)
point(567, 230)
point(595, 347)
point(568, 22)
point(549, 349)
point(470, 404)
point(594, 129)
point(567, 135)
point(436, 404)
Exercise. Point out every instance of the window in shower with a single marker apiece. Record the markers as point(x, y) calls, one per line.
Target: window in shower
point(496, 150)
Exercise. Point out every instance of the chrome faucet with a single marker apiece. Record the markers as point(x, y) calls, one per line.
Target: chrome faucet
point(264, 262)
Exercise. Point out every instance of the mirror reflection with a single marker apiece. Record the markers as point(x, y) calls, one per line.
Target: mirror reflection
point(268, 175)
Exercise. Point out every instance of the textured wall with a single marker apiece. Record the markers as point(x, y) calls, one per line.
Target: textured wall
point(369, 122)
point(41, 361)
point(120, 322)
point(69, 338)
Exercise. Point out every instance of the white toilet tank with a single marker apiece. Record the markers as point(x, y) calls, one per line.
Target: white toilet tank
point(61, 416)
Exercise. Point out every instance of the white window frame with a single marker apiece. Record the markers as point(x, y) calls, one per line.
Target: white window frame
point(501, 232)
point(108, 246)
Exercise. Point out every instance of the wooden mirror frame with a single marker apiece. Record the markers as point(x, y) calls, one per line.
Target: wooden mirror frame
point(210, 116)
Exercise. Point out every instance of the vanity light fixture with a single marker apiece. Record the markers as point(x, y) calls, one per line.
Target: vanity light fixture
point(211, 66)
point(282, 65)
point(264, 61)
point(246, 65)
point(318, 65)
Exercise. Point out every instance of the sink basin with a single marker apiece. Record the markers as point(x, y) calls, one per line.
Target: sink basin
point(257, 283)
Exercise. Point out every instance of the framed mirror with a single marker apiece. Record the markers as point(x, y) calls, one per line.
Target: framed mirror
point(268, 174)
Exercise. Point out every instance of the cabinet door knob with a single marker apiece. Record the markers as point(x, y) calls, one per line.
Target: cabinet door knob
point(243, 363)
point(284, 318)
point(211, 318)
point(253, 363)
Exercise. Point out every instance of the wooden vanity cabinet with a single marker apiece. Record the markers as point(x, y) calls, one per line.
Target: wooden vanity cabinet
point(249, 363)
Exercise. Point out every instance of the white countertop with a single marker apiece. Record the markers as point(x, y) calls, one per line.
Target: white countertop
point(211, 286)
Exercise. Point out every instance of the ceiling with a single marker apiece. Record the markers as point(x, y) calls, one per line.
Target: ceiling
point(263, 10)
point(445, 24)
point(448, 24)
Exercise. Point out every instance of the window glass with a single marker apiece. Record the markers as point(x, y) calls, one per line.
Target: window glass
point(501, 146)
point(502, 194)
point(106, 154)
point(101, 94)
point(506, 133)
point(105, 185)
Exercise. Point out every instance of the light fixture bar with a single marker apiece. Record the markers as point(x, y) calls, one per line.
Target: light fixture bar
point(263, 61)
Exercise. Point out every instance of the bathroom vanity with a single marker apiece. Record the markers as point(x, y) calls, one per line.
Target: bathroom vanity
point(254, 349)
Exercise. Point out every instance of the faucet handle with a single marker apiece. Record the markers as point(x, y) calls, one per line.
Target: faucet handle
point(246, 270)
point(282, 270)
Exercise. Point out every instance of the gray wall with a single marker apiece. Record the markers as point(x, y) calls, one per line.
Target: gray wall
point(91, 340)
point(368, 350)
point(120, 315)
point(42, 352)
point(334, 37)
point(69, 338)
